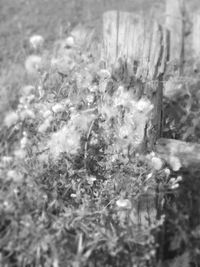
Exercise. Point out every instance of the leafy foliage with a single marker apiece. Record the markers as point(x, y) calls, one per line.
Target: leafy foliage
point(69, 191)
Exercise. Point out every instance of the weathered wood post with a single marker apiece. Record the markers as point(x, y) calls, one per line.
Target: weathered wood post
point(175, 23)
point(196, 40)
point(143, 46)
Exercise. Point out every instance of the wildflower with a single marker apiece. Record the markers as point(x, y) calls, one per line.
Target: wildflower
point(94, 141)
point(174, 163)
point(149, 176)
point(7, 159)
point(47, 113)
point(67, 102)
point(91, 179)
point(69, 42)
point(124, 203)
point(20, 107)
point(36, 41)
point(33, 64)
point(107, 111)
point(175, 186)
point(152, 154)
point(8, 206)
point(82, 122)
point(144, 105)
point(27, 114)
point(63, 65)
point(11, 119)
point(172, 180)
point(30, 98)
point(175, 181)
point(27, 90)
point(93, 88)
point(57, 108)
point(104, 74)
point(65, 140)
point(24, 141)
point(45, 125)
point(14, 176)
point(172, 88)
point(157, 163)
point(121, 97)
point(114, 157)
point(179, 178)
point(22, 100)
point(20, 153)
point(44, 157)
point(125, 131)
point(167, 171)
point(15, 191)
point(90, 98)
point(40, 91)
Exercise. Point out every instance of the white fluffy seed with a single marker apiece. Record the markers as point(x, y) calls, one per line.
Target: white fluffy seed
point(69, 42)
point(123, 203)
point(157, 163)
point(32, 64)
point(175, 163)
point(58, 108)
point(36, 42)
point(11, 119)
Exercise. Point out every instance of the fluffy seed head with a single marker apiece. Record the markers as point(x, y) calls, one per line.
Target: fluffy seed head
point(36, 42)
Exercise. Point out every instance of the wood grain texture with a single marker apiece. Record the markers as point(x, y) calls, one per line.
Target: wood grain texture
point(130, 37)
point(175, 23)
point(143, 47)
point(196, 36)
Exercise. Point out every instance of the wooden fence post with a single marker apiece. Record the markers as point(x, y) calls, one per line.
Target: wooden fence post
point(196, 40)
point(175, 23)
point(143, 46)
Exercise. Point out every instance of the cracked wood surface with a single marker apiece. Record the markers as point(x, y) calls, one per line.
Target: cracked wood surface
point(142, 46)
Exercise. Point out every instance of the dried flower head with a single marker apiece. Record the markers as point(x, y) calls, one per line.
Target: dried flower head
point(11, 119)
point(33, 64)
point(69, 42)
point(174, 163)
point(14, 176)
point(36, 42)
point(27, 90)
point(58, 108)
point(27, 114)
point(66, 140)
point(157, 163)
point(20, 153)
point(123, 203)
point(45, 125)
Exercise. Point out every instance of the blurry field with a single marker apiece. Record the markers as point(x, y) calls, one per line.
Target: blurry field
point(19, 19)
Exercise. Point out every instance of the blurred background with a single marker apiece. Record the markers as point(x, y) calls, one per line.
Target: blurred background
point(19, 19)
